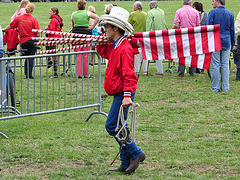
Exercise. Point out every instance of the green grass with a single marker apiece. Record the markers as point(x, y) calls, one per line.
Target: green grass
point(185, 130)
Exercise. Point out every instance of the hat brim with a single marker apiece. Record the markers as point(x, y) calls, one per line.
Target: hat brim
point(117, 22)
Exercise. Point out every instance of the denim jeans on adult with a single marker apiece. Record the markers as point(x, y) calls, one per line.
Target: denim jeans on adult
point(130, 151)
point(31, 50)
point(220, 67)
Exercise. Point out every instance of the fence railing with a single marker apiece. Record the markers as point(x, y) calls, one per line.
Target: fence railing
point(42, 95)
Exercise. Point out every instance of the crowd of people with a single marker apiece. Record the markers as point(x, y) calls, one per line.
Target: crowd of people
point(193, 16)
point(123, 62)
point(86, 22)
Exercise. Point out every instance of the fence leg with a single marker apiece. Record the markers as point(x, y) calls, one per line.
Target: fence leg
point(96, 112)
point(3, 135)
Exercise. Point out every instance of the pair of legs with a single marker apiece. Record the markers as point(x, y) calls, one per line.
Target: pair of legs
point(220, 67)
point(29, 63)
point(159, 66)
point(130, 151)
point(181, 70)
point(82, 66)
point(137, 64)
point(55, 61)
point(238, 59)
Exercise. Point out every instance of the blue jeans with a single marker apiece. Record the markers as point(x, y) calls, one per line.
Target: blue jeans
point(130, 151)
point(220, 65)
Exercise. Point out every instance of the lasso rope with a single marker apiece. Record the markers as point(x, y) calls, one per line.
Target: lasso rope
point(122, 130)
point(124, 136)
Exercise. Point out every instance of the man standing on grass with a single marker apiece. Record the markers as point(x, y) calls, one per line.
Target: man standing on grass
point(220, 15)
point(237, 44)
point(120, 81)
point(156, 21)
point(137, 19)
point(186, 17)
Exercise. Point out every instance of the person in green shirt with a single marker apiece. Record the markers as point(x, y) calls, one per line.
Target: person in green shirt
point(80, 25)
point(137, 19)
point(156, 21)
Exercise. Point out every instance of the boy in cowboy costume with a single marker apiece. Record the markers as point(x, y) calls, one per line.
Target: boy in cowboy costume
point(120, 80)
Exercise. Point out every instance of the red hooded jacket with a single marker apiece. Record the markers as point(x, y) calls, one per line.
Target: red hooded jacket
point(54, 26)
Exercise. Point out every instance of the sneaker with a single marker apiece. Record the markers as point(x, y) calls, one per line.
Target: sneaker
point(54, 76)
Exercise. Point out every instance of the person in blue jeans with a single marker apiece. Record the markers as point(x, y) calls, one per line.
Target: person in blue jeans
point(120, 81)
point(237, 46)
point(220, 59)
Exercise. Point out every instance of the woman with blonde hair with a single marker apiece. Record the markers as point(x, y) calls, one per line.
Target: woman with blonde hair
point(94, 31)
point(80, 24)
point(21, 9)
point(25, 23)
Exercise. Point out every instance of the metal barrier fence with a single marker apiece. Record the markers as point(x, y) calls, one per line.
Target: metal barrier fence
point(43, 95)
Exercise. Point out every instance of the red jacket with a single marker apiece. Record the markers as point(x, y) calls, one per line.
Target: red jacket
point(25, 23)
point(54, 25)
point(11, 39)
point(119, 75)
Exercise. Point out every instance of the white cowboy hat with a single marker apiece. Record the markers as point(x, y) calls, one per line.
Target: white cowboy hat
point(118, 17)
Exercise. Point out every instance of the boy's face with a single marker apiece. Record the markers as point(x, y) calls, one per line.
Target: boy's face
point(110, 32)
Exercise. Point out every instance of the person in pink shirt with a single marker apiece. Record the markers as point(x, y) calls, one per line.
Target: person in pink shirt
point(186, 17)
point(21, 9)
point(25, 23)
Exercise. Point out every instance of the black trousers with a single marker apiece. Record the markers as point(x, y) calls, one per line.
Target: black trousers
point(31, 50)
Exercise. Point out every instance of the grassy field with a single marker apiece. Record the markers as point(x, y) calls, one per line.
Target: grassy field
point(185, 130)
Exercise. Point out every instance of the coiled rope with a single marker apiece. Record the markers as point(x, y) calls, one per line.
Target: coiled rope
point(124, 136)
point(123, 133)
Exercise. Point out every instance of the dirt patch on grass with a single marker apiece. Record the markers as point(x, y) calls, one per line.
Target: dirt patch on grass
point(151, 166)
point(172, 102)
point(41, 167)
point(206, 169)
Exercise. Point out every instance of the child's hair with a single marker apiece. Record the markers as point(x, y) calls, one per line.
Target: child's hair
point(92, 9)
point(198, 6)
point(109, 7)
point(56, 11)
point(23, 2)
point(30, 7)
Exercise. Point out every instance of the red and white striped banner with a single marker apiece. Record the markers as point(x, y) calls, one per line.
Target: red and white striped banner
point(66, 48)
point(68, 34)
point(191, 47)
point(69, 39)
point(51, 43)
